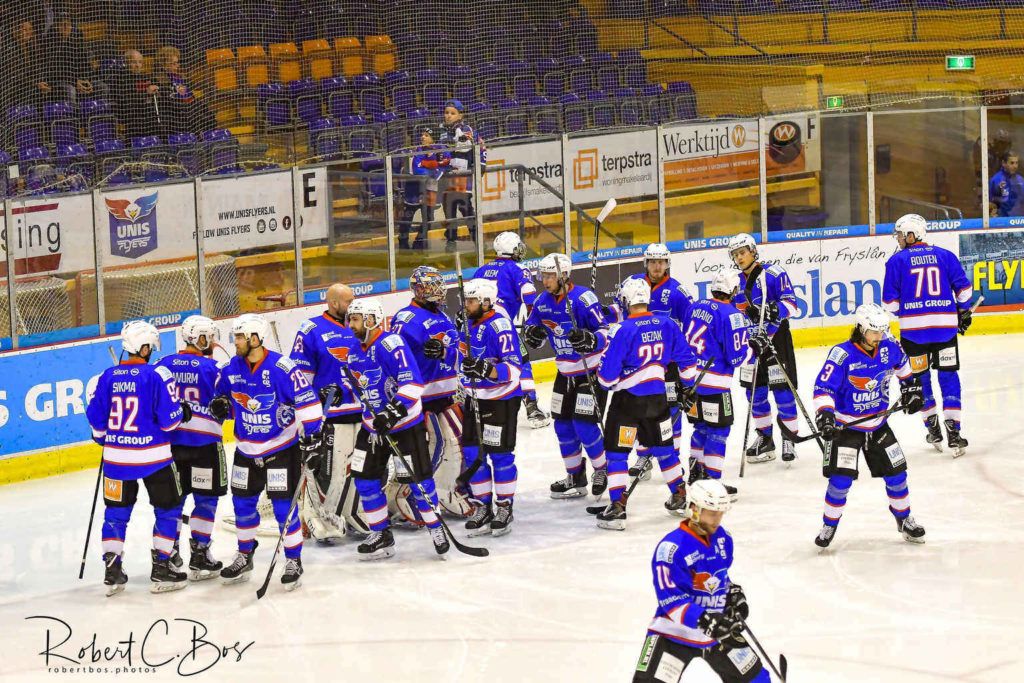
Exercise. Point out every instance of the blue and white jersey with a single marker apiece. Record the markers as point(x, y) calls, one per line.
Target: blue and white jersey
point(494, 339)
point(515, 285)
point(412, 190)
point(640, 350)
point(780, 290)
point(717, 332)
point(386, 370)
point(416, 324)
point(132, 413)
point(691, 576)
point(668, 297)
point(552, 313)
point(195, 377)
point(269, 399)
point(855, 384)
point(321, 346)
point(925, 286)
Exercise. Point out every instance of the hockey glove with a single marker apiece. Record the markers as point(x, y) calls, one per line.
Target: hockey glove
point(338, 397)
point(220, 408)
point(912, 395)
point(762, 346)
point(771, 312)
point(478, 368)
point(186, 410)
point(723, 628)
point(582, 341)
point(964, 320)
point(736, 602)
point(311, 445)
point(387, 418)
point(826, 423)
point(686, 397)
point(434, 348)
point(534, 336)
point(460, 320)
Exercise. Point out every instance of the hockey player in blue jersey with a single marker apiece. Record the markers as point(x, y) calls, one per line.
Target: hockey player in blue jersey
point(278, 420)
point(492, 370)
point(132, 414)
point(701, 611)
point(392, 388)
point(321, 345)
point(634, 365)
point(434, 344)
point(515, 290)
point(779, 305)
point(717, 332)
point(926, 288)
point(854, 384)
point(197, 444)
point(578, 342)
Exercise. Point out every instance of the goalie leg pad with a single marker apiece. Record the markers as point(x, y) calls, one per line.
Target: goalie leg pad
point(445, 429)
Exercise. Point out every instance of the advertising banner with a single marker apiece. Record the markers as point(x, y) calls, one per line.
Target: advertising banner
point(994, 263)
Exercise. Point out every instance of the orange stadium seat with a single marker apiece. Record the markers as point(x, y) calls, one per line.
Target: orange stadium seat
point(254, 65)
point(380, 52)
point(348, 52)
point(284, 57)
point(224, 72)
point(319, 61)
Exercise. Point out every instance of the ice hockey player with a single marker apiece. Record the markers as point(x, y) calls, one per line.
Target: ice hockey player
point(322, 344)
point(668, 297)
point(633, 365)
point(278, 420)
point(779, 304)
point(132, 413)
point(926, 287)
point(516, 289)
point(578, 342)
point(717, 333)
point(491, 368)
point(854, 384)
point(197, 444)
point(391, 387)
point(701, 612)
point(433, 343)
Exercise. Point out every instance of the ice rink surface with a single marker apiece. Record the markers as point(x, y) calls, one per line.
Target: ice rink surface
point(559, 599)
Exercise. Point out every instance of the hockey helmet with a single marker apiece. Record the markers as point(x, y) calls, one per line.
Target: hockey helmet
point(139, 333)
point(872, 317)
point(737, 242)
point(249, 324)
point(634, 291)
point(508, 245)
point(656, 252)
point(482, 290)
point(911, 223)
point(196, 326)
point(427, 284)
point(709, 494)
point(553, 263)
point(367, 308)
point(726, 281)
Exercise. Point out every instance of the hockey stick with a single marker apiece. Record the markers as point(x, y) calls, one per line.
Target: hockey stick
point(583, 356)
point(468, 550)
point(608, 207)
point(641, 465)
point(277, 340)
point(463, 479)
point(783, 668)
point(753, 380)
point(973, 309)
point(796, 438)
point(796, 397)
point(262, 590)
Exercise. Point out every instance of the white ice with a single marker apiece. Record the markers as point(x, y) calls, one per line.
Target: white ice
point(559, 599)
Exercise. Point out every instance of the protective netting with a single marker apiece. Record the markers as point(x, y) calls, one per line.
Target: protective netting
point(195, 85)
point(42, 304)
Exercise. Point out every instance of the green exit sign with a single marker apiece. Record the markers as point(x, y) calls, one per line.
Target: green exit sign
point(834, 102)
point(959, 62)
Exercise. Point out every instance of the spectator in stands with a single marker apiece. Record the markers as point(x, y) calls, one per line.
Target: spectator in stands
point(457, 136)
point(69, 68)
point(27, 83)
point(1006, 189)
point(998, 145)
point(183, 112)
point(138, 98)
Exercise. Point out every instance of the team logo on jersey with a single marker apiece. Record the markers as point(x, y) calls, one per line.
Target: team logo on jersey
point(555, 328)
point(340, 353)
point(708, 583)
point(132, 226)
point(367, 378)
point(253, 404)
point(441, 337)
point(866, 383)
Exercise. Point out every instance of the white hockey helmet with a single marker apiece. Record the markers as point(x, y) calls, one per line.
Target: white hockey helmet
point(633, 291)
point(553, 263)
point(726, 281)
point(737, 242)
point(709, 494)
point(872, 317)
point(138, 333)
point(656, 252)
point(911, 223)
point(508, 245)
point(366, 308)
point(196, 326)
point(482, 290)
point(249, 324)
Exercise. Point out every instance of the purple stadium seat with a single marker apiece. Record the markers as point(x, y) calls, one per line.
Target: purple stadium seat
point(596, 95)
point(570, 62)
point(278, 112)
point(631, 112)
point(419, 115)
point(368, 80)
point(465, 90)
point(352, 120)
point(27, 135)
point(329, 86)
point(620, 93)
point(395, 78)
point(434, 96)
point(371, 101)
point(601, 59)
point(478, 107)
point(517, 125)
point(608, 78)
point(518, 67)
point(553, 84)
point(507, 103)
point(308, 108)
point(635, 75)
point(318, 127)
point(547, 121)
point(385, 117)
point(603, 115)
point(90, 108)
point(403, 98)
point(265, 91)
point(58, 110)
point(20, 113)
point(652, 90)
point(575, 117)
point(37, 153)
point(488, 70)
point(543, 66)
point(524, 87)
point(494, 90)
point(538, 101)
point(339, 104)
point(459, 72)
point(64, 132)
point(328, 145)
point(581, 80)
point(426, 75)
point(145, 142)
point(487, 127)
point(108, 146)
point(217, 135)
point(395, 138)
point(679, 88)
point(180, 139)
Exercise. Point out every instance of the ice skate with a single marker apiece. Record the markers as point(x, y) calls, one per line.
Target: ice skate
point(600, 482)
point(613, 517)
point(573, 486)
point(114, 577)
point(502, 522)
point(291, 578)
point(934, 436)
point(441, 544)
point(911, 530)
point(201, 565)
point(240, 569)
point(676, 505)
point(536, 417)
point(479, 523)
point(762, 450)
point(379, 545)
point(825, 536)
point(956, 443)
point(642, 469)
point(788, 451)
point(165, 577)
